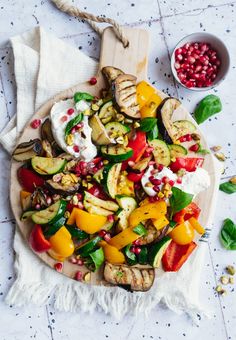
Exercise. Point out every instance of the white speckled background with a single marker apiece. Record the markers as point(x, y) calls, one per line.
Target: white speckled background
point(167, 21)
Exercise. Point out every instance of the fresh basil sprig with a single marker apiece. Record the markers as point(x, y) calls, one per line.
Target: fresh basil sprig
point(78, 96)
point(179, 200)
point(228, 234)
point(95, 259)
point(207, 107)
point(76, 120)
point(149, 125)
point(202, 151)
point(228, 187)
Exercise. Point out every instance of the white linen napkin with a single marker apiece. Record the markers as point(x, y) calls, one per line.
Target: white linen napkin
point(45, 65)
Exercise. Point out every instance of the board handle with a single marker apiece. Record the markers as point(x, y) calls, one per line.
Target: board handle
point(132, 59)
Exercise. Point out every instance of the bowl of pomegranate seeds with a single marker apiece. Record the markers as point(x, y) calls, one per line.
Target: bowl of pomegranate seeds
point(200, 61)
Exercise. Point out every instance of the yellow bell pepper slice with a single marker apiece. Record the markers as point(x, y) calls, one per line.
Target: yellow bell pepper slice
point(62, 244)
point(111, 253)
point(197, 226)
point(151, 210)
point(90, 223)
point(124, 238)
point(160, 222)
point(125, 186)
point(144, 92)
point(183, 233)
point(150, 107)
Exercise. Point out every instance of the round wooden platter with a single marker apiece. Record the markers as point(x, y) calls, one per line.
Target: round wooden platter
point(132, 60)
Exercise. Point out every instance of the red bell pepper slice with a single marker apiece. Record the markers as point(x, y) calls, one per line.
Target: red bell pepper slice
point(175, 255)
point(37, 240)
point(29, 180)
point(189, 164)
point(192, 210)
point(138, 144)
point(135, 177)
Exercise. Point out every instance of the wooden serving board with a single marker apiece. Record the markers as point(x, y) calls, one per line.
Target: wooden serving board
point(132, 60)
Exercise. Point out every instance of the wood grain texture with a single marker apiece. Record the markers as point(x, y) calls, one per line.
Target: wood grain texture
point(132, 60)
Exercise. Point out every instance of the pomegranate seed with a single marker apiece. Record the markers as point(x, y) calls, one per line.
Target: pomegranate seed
point(160, 167)
point(198, 68)
point(110, 218)
point(188, 137)
point(76, 148)
point(182, 139)
point(35, 123)
point(132, 249)
point(93, 81)
point(95, 169)
point(151, 163)
point(137, 185)
point(73, 260)
point(79, 196)
point(146, 154)
point(155, 181)
point(178, 51)
point(70, 111)
point(203, 48)
point(107, 237)
point(179, 180)
point(184, 51)
point(131, 163)
point(156, 188)
point(37, 206)
point(63, 119)
point(171, 182)
point(185, 66)
point(100, 165)
point(165, 180)
point(190, 84)
point(196, 46)
point(78, 276)
point(187, 45)
point(80, 262)
point(182, 76)
point(49, 200)
point(179, 57)
point(137, 250)
point(194, 147)
point(149, 149)
point(73, 130)
point(136, 242)
point(102, 233)
point(191, 59)
point(177, 65)
point(58, 266)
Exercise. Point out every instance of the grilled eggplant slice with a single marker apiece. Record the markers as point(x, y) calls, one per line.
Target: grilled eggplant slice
point(125, 94)
point(99, 133)
point(139, 279)
point(164, 114)
point(64, 190)
point(27, 150)
point(46, 131)
point(111, 73)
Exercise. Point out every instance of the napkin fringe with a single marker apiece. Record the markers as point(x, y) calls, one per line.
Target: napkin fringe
point(111, 300)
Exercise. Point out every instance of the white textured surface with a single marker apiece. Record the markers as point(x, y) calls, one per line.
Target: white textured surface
point(167, 22)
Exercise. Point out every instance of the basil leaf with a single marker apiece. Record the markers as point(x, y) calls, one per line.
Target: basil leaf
point(228, 187)
point(148, 124)
point(76, 120)
point(207, 107)
point(179, 200)
point(153, 134)
point(130, 257)
point(51, 229)
point(172, 224)
point(140, 230)
point(228, 234)
point(78, 96)
point(97, 258)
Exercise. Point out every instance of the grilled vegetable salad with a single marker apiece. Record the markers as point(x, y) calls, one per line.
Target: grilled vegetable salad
point(110, 185)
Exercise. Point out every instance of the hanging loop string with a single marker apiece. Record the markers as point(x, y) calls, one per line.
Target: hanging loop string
point(63, 6)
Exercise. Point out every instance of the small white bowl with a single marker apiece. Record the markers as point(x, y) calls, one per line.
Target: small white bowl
point(217, 45)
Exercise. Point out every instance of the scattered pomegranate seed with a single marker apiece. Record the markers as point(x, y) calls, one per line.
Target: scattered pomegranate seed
point(132, 249)
point(49, 200)
point(79, 196)
point(165, 180)
point(80, 205)
point(131, 163)
point(76, 148)
point(93, 81)
point(64, 119)
point(151, 163)
point(35, 123)
point(146, 154)
point(171, 182)
point(153, 199)
point(79, 126)
point(78, 275)
point(73, 130)
point(58, 266)
point(182, 139)
point(154, 181)
point(100, 165)
point(196, 64)
point(107, 237)
point(194, 147)
point(102, 233)
point(73, 260)
point(110, 218)
point(37, 206)
point(137, 250)
point(188, 137)
point(137, 185)
point(136, 242)
point(156, 188)
point(160, 167)
point(179, 180)
point(80, 262)
point(70, 111)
